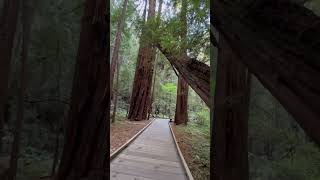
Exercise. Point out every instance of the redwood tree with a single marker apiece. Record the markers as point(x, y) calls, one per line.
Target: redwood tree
point(86, 149)
point(181, 113)
point(8, 27)
point(230, 117)
point(141, 91)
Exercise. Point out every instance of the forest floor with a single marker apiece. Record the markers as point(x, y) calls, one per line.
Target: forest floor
point(122, 131)
point(194, 144)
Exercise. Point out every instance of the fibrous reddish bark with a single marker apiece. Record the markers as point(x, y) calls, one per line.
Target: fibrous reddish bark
point(279, 42)
point(229, 155)
point(8, 28)
point(86, 149)
point(117, 42)
point(141, 91)
point(181, 114)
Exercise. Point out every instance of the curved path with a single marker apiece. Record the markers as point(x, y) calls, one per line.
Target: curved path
point(152, 156)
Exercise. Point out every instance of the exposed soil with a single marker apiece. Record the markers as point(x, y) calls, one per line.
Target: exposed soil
point(122, 131)
point(195, 149)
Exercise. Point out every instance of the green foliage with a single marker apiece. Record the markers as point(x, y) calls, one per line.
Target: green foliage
point(169, 88)
point(202, 117)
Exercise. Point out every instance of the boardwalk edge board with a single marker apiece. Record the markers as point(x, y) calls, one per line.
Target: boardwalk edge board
point(185, 165)
point(120, 149)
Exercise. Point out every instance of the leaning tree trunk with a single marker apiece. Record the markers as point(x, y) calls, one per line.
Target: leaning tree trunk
point(279, 42)
point(229, 158)
point(195, 73)
point(8, 27)
point(26, 25)
point(117, 42)
point(141, 91)
point(86, 149)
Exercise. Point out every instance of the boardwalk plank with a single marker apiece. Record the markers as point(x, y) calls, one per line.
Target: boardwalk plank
point(152, 156)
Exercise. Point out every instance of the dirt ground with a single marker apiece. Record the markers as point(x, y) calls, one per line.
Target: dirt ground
point(195, 150)
point(122, 131)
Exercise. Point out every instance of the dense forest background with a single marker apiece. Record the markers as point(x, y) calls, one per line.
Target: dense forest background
point(278, 147)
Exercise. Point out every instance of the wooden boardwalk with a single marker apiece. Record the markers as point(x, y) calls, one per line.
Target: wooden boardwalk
point(152, 156)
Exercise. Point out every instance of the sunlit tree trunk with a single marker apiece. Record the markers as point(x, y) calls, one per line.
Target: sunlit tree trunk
point(141, 91)
point(86, 149)
point(8, 28)
point(117, 42)
point(230, 117)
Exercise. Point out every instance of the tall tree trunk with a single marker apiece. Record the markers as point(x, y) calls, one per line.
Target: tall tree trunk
point(181, 113)
point(115, 96)
point(229, 158)
point(26, 25)
point(86, 149)
point(8, 28)
point(141, 92)
point(117, 42)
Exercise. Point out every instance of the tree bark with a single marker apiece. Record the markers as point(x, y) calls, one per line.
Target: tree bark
point(8, 28)
point(115, 96)
point(181, 113)
point(229, 160)
point(26, 25)
point(86, 149)
point(279, 42)
point(141, 91)
point(115, 53)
